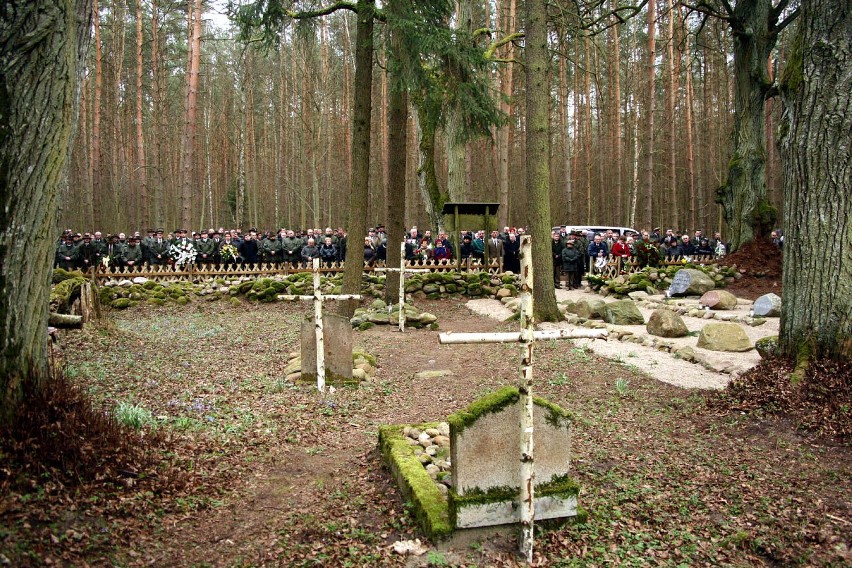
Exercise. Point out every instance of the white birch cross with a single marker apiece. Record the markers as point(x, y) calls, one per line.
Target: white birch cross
point(526, 337)
point(318, 298)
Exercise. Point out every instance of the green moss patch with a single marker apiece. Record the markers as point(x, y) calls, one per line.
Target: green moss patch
point(493, 402)
point(429, 505)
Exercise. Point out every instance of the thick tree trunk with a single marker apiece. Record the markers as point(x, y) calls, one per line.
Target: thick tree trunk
point(538, 156)
point(397, 158)
point(357, 220)
point(650, 106)
point(42, 48)
point(816, 150)
point(427, 178)
point(188, 179)
point(97, 171)
point(141, 171)
point(743, 198)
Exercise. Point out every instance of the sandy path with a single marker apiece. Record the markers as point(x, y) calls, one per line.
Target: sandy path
point(659, 364)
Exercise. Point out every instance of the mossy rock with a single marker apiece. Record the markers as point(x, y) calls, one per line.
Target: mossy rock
point(120, 303)
point(235, 301)
point(767, 347)
point(182, 300)
point(60, 275)
point(245, 286)
point(474, 290)
point(156, 301)
point(105, 295)
point(451, 287)
point(365, 325)
point(262, 284)
point(364, 355)
point(63, 294)
point(507, 279)
point(149, 285)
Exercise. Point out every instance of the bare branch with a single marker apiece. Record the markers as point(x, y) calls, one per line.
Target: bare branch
point(489, 53)
point(786, 21)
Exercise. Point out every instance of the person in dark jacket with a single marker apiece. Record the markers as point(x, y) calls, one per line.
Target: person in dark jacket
point(556, 253)
point(512, 254)
point(685, 248)
point(248, 248)
point(572, 263)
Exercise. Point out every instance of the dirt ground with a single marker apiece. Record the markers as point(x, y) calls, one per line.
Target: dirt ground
point(248, 470)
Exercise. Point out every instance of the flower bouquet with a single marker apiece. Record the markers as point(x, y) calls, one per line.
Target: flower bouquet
point(229, 253)
point(182, 254)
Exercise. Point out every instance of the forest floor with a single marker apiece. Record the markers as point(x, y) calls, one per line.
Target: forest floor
point(236, 467)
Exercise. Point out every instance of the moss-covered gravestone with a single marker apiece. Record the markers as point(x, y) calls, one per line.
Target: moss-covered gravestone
point(485, 443)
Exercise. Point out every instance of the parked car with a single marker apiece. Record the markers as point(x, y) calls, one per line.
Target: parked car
point(626, 231)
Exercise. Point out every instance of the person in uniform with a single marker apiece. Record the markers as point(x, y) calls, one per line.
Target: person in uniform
point(556, 253)
point(134, 258)
point(87, 255)
point(205, 249)
point(291, 248)
point(65, 253)
point(572, 264)
point(158, 250)
point(271, 249)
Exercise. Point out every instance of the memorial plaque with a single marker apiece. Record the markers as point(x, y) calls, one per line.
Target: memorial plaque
point(768, 305)
point(680, 283)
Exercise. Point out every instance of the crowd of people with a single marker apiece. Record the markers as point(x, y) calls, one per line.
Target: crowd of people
point(574, 253)
point(579, 252)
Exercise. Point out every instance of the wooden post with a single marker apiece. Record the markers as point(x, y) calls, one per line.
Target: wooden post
point(527, 447)
point(318, 328)
point(401, 287)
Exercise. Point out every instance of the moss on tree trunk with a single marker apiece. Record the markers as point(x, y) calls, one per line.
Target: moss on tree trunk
point(42, 45)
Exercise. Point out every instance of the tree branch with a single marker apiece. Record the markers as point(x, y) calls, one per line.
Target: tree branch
point(322, 11)
point(706, 9)
point(785, 22)
point(489, 53)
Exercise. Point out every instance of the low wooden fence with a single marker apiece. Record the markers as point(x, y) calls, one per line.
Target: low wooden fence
point(615, 266)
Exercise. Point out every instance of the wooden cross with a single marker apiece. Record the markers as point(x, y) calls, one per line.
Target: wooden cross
point(318, 298)
point(526, 337)
point(402, 270)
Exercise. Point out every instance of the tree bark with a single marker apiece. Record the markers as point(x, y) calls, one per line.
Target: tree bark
point(141, 171)
point(42, 49)
point(538, 158)
point(650, 105)
point(191, 116)
point(816, 315)
point(743, 198)
point(397, 135)
point(357, 219)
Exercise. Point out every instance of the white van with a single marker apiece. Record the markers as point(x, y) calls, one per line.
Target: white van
point(600, 229)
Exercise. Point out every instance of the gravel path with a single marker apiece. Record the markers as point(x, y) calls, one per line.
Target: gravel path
point(659, 364)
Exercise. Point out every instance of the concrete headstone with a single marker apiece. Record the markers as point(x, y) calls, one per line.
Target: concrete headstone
point(485, 441)
point(768, 305)
point(337, 337)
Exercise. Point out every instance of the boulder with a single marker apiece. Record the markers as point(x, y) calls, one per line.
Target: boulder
point(690, 281)
point(724, 337)
point(719, 300)
point(666, 323)
point(767, 347)
point(768, 305)
point(622, 312)
point(589, 308)
point(638, 295)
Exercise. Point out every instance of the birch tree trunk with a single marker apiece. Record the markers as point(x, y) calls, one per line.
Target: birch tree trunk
point(42, 49)
point(816, 150)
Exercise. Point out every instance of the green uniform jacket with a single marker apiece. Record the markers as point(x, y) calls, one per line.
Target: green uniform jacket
point(134, 254)
point(205, 247)
point(271, 250)
point(291, 249)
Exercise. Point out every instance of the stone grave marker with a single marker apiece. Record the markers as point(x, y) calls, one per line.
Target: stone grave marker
point(337, 345)
point(768, 305)
point(486, 477)
point(690, 281)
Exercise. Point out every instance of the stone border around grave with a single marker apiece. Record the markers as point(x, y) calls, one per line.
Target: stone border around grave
point(429, 505)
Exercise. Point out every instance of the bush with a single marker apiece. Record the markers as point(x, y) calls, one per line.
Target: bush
point(133, 415)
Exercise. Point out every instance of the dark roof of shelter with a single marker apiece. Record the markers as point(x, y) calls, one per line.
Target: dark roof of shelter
point(470, 208)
